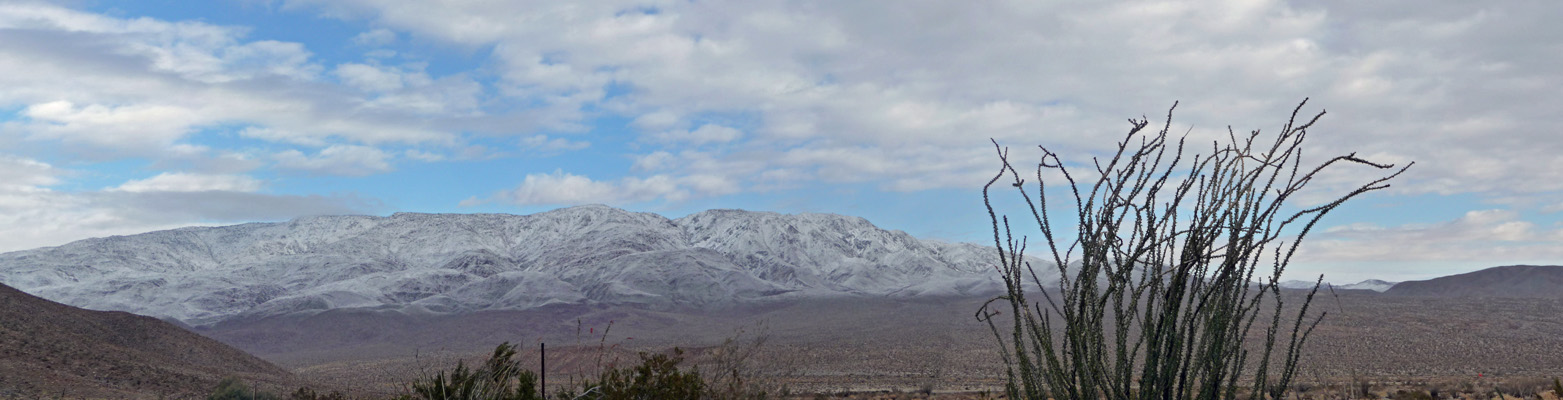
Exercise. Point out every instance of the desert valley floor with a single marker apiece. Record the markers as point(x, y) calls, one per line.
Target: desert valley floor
point(882, 344)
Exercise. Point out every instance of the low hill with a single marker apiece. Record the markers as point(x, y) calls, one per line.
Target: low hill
point(50, 350)
point(1507, 281)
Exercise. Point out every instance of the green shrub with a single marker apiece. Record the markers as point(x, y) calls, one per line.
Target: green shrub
point(305, 393)
point(499, 378)
point(234, 389)
point(1411, 395)
point(657, 377)
point(1557, 388)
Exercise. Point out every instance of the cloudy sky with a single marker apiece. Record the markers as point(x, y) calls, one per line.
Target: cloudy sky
point(120, 117)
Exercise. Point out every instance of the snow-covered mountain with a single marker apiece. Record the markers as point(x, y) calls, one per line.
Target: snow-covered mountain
point(470, 262)
point(1370, 284)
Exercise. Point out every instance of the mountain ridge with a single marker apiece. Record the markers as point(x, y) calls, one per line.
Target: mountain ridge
point(468, 262)
point(1501, 281)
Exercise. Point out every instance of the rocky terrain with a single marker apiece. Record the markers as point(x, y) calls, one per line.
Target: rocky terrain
point(50, 350)
point(462, 263)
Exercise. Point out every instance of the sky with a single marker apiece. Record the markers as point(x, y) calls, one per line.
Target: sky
point(121, 117)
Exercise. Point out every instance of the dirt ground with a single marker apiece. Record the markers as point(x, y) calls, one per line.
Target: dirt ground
point(884, 348)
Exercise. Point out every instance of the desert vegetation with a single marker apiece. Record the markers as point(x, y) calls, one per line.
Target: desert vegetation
point(1170, 264)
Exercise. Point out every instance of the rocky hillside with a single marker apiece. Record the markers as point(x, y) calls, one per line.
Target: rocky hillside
point(452, 263)
point(1508, 281)
point(50, 350)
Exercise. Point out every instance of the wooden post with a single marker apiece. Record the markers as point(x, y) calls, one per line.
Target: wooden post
point(542, 349)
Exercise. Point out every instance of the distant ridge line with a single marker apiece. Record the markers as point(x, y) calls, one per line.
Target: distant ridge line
point(1506, 281)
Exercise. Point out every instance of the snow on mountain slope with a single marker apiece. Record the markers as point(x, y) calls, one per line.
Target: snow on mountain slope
point(470, 262)
point(1371, 284)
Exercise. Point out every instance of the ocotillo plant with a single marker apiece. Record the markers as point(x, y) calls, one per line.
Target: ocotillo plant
point(1173, 260)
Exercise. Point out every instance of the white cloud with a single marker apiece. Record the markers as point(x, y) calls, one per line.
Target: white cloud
point(1493, 236)
point(654, 161)
point(708, 133)
point(191, 182)
point(347, 160)
point(192, 50)
point(369, 77)
point(114, 88)
point(283, 136)
point(545, 144)
point(656, 120)
point(21, 174)
point(561, 188)
point(1459, 87)
point(32, 214)
point(131, 127)
point(424, 155)
point(376, 37)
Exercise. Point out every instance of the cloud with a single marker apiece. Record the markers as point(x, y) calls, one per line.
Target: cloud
point(424, 155)
point(33, 214)
point(368, 77)
point(544, 144)
point(346, 160)
point(1459, 87)
point(21, 173)
point(561, 188)
point(708, 133)
point(283, 136)
point(189, 182)
point(1492, 236)
point(192, 50)
point(375, 37)
point(115, 88)
point(655, 120)
point(176, 208)
point(654, 161)
point(130, 127)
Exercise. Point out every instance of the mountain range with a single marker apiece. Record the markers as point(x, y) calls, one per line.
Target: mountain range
point(452, 263)
point(461, 263)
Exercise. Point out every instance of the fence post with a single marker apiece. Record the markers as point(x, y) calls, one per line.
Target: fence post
point(542, 349)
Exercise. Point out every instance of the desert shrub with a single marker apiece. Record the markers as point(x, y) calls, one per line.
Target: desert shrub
point(1411, 395)
point(657, 377)
point(499, 378)
point(1523, 386)
point(232, 388)
point(1557, 388)
point(735, 375)
point(1168, 269)
point(305, 393)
